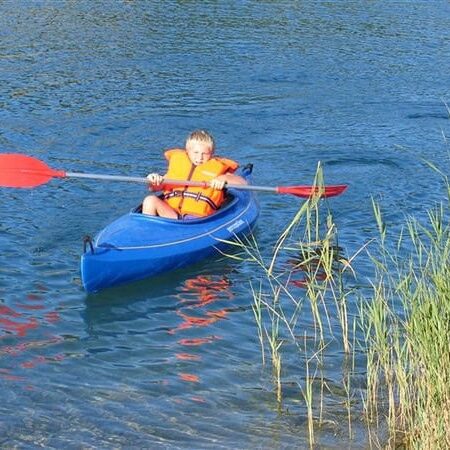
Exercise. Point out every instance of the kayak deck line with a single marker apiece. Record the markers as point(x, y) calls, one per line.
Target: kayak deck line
point(180, 241)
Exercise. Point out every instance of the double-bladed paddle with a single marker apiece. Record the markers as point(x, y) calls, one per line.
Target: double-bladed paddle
point(22, 171)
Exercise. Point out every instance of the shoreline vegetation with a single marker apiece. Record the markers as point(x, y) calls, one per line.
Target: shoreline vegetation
point(401, 327)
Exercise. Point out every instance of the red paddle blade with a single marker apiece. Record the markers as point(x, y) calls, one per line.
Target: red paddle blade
point(309, 191)
point(21, 171)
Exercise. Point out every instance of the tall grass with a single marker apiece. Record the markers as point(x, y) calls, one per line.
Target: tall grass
point(407, 323)
point(300, 278)
point(403, 324)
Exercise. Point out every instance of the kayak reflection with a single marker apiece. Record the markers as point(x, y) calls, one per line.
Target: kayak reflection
point(316, 264)
point(197, 296)
point(22, 346)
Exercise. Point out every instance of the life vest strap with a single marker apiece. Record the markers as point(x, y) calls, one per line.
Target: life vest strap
point(196, 196)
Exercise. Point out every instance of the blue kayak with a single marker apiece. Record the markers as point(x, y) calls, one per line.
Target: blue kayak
point(137, 246)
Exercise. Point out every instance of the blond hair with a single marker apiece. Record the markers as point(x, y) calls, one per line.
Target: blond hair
point(201, 136)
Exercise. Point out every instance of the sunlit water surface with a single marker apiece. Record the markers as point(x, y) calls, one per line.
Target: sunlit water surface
point(105, 87)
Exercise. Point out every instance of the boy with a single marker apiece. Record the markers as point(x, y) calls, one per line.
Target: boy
point(198, 163)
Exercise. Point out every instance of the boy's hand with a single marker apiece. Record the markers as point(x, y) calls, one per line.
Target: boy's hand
point(155, 179)
point(217, 184)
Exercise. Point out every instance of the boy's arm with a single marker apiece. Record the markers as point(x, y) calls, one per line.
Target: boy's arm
point(232, 178)
point(155, 181)
point(219, 182)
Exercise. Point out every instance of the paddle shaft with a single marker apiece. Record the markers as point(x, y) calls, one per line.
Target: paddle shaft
point(167, 181)
point(94, 176)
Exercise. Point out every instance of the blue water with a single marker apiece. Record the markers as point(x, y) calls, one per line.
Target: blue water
point(105, 87)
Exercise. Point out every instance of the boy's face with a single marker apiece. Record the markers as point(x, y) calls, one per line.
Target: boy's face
point(199, 152)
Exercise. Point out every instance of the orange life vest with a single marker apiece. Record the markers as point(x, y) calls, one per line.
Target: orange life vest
point(197, 201)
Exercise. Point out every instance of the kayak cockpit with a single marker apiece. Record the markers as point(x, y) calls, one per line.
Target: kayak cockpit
point(230, 200)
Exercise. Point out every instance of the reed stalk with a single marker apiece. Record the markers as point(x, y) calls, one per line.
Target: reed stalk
point(404, 321)
point(407, 324)
point(307, 393)
point(302, 275)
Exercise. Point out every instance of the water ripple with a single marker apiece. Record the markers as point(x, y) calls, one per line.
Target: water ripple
point(105, 87)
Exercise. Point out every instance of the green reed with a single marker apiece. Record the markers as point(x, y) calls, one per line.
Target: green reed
point(407, 324)
point(306, 253)
point(403, 327)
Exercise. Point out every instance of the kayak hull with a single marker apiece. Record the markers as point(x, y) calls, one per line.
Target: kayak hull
point(137, 246)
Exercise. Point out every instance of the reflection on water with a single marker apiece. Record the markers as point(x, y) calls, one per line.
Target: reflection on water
point(196, 309)
point(196, 295)
point(25, 331)
point(316, 263)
